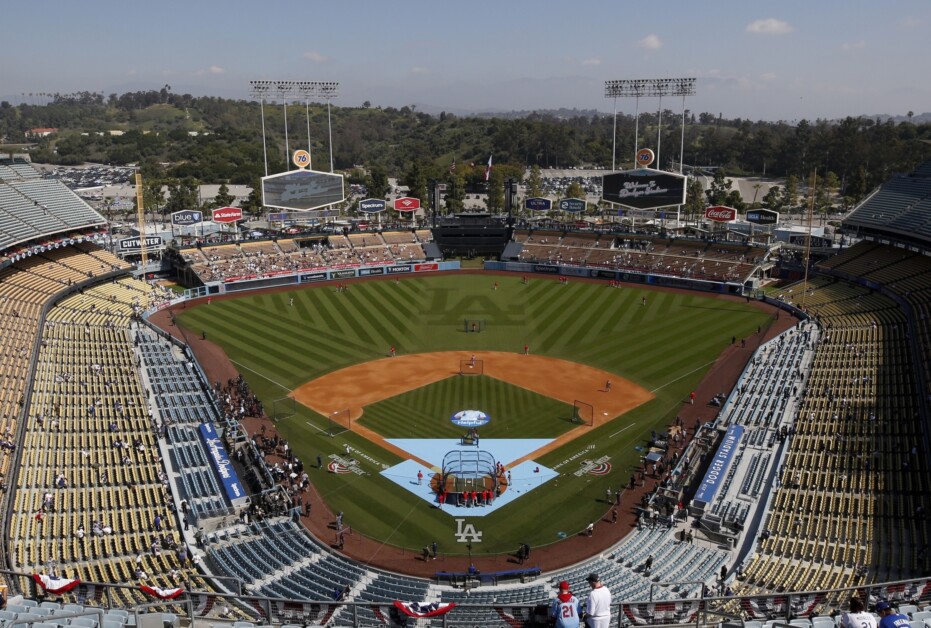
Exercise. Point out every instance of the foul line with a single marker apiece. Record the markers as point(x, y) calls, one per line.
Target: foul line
point(262, 375)
point(315, 427)
point(684, 375)
point(622, 430)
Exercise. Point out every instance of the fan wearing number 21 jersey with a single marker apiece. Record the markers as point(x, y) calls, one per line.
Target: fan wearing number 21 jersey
point(565, 609)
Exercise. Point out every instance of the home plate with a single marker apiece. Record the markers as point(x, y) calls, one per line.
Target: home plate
point(605, 413)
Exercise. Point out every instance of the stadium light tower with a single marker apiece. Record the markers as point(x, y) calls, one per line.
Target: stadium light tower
point(259, 89)
point(649, 88)
point(285, 90)
point(328, 90)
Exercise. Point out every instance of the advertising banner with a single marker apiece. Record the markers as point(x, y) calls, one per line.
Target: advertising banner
point(763, 216)
point(719, 213)
point(227, 214)
point(221, 462)
point(302, 189)
point(644, 188)
point(186, 217)
point(717, 471)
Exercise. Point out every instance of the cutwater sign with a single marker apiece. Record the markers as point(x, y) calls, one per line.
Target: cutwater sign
point(470, 418)
point(221, 461)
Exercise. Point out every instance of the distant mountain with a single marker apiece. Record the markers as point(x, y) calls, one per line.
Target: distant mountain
point(918, 118)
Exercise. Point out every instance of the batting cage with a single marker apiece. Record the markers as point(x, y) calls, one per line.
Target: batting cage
point(339, 422)
point(471, 367)
point(473, 325)
point(583, 413)
point(469, 470)
point(283, 408)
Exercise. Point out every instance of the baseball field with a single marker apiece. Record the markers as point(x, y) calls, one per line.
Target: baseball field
point(330, 351)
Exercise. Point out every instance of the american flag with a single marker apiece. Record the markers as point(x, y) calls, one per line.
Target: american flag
point(488, 169)
point(452, 166)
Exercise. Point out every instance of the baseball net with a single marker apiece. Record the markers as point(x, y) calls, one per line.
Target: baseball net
point(473, 325)
point(339, 422)
point(283, 408)
point(472, 470)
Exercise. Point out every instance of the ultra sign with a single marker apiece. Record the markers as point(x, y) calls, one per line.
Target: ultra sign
point(538, 204)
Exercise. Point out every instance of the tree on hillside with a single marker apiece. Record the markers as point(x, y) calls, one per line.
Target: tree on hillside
point(695, 200)
point(455, 192)
point(574, 190)
point(377, 183)
point(534, 182)
point(153, 197)
point(223, 197)
point(720, 188)
point(773, 199)
point(494, 201)
point(790, 193)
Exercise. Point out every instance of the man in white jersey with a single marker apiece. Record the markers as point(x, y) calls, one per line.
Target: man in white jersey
point(598, 605)
point(856, 617)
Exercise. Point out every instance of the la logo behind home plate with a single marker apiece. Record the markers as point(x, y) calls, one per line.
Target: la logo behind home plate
point(467, 533)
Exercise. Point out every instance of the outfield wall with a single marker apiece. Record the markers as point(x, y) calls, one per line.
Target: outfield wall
point(306, 277)
point(629, 276)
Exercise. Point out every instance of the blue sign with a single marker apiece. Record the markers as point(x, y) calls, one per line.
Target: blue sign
point(572, 205)
point(372, 205)
point(186, 217)
point(277, 216)
point(470, 418)
point(221, 461)
point(538, 204)
point(718, 469)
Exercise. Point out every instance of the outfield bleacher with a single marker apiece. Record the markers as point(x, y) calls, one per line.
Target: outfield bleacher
point(247, 260)
point(695, 259)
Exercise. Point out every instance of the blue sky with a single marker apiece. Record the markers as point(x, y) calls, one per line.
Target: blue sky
point(777, 60)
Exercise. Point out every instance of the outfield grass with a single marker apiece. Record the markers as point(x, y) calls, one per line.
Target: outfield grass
point(666, 346)
point(425, 412)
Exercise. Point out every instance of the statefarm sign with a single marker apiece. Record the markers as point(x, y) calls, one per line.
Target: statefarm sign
point(721, 214)
point(227, 214)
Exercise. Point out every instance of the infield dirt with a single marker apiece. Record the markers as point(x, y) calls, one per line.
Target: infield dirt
point(352, 388)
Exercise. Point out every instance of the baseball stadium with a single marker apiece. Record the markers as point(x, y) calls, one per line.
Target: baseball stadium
point(357, 429)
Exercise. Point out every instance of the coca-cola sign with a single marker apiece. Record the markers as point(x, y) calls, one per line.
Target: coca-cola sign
point(721, 214)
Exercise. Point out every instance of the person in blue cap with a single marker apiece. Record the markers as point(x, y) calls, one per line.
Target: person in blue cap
point(889, 618)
